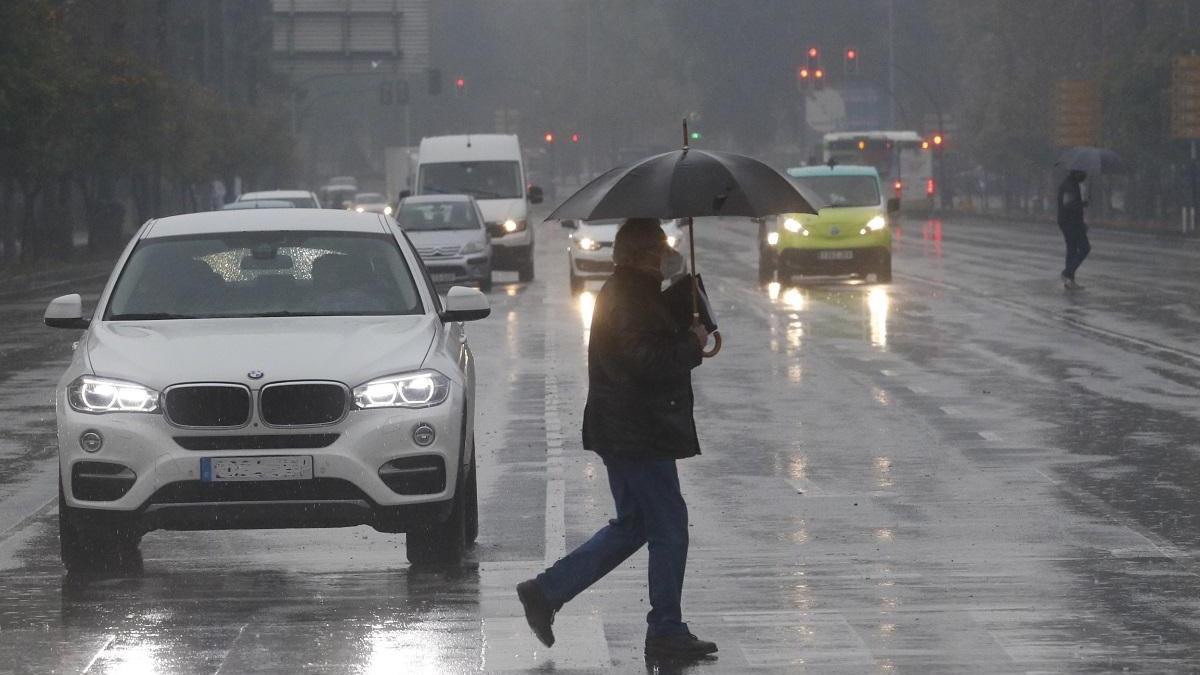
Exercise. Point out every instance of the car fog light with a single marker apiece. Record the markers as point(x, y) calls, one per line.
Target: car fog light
point(423, 435)
point(91, 441)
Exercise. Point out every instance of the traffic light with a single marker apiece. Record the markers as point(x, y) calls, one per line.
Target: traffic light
point(575, 138)
point(938, 140)
point(548, 137)
point(814, 55)
point(694, 136)
point(460, 85)
point(850, 63)
point(803, 77)
point(434, 77)
point(818, 78)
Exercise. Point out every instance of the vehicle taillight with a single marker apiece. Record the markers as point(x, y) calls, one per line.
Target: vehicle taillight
point(930, 187)
point(897, 186)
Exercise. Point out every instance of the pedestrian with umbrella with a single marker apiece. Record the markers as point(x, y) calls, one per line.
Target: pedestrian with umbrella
point(1078, 162)
point(638, 415)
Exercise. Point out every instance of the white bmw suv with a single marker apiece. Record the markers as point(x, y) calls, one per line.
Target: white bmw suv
point(263, 369)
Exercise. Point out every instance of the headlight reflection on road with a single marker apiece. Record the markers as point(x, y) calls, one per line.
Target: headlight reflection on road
point(877, 309)
point(405, 651)
point(794, 299)
point(587, 305)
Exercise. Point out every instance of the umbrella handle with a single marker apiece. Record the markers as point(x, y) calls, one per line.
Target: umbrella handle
point(716, 346)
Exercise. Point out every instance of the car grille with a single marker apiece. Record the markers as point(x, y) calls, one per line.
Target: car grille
point(438, 252)
point(208, 405)
point(257, 442)
point(297, 404)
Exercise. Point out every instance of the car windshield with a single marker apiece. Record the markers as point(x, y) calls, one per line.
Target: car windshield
point(483, 180)
point(448, 215)
point(369, 198)
point(843, 190)
point(257, 274)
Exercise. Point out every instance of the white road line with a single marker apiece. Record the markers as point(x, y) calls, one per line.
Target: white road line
point(96, 656)
point(555, 516)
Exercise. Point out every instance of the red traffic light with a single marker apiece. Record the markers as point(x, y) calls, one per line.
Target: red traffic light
point(813, 52)
point(460, 83)
point(549, 137)
point(574, 138)
point(851, 54)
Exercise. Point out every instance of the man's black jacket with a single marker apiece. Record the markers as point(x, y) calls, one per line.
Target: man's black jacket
point(639, 373)
point(1070, 203)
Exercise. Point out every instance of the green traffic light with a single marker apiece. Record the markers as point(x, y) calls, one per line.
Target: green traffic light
point(695, 135)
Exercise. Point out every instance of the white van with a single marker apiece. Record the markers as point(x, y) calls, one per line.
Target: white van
point(489, 168)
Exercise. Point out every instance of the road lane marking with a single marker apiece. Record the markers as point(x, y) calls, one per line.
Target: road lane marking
point(99, 652)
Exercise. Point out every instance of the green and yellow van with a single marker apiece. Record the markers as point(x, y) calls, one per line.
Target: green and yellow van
point(852, 234)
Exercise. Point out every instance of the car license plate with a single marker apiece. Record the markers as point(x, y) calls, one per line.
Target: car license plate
point(442, 278)
point(835, 255)
point(233, 469)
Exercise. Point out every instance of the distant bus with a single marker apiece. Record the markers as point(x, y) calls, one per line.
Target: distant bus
point(903, 158)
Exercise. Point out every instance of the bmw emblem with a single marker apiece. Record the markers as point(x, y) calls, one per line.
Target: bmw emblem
point(255, 374)
point(835, 230)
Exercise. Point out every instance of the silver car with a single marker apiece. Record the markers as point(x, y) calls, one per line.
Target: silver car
point(449, 233)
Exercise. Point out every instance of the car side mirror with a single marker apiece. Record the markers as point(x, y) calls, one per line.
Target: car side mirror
point(893, 205)
point(465, 304)
point(535, 195)
point(66, 312)
point(569, 224)
point(404, 194)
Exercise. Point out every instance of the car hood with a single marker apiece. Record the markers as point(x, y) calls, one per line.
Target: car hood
point(499, 210)
point(351, 350)
point(443, 238)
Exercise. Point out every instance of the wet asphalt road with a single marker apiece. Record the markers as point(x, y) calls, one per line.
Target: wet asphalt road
point(967, 470)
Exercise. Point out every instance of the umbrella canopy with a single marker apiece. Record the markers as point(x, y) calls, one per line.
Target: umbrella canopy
point(687, 183)
point(1091, 160)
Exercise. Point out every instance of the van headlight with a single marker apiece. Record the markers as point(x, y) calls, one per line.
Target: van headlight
point(793, 225)
point(876, 224)
point(97, 395)
point(511, 225)
point(588, 244)
point(423, 389)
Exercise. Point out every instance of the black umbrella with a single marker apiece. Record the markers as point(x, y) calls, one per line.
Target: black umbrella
point(687, 183)
point(1092, 160)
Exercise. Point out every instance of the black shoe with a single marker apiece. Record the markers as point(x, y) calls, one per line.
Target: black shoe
point(686, 646)
point(538, 612)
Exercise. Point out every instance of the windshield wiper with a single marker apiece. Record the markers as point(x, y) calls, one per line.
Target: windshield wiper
point(149, 316)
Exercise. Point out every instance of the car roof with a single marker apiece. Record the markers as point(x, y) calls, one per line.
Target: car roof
point(274, 194)
point(265, 220)
point(435, 198)
point(836, 170)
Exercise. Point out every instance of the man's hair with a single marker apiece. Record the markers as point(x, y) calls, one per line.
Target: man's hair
point(636, 237)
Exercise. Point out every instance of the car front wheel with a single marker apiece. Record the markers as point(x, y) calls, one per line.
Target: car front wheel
point(444, 543)
point(99, 547)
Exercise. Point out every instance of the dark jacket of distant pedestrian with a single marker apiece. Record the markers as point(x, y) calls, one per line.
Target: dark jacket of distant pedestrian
point(1070, 220)
point(640, 361)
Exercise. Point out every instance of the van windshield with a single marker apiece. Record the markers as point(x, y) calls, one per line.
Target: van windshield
point(843, 190)
point(482, 180)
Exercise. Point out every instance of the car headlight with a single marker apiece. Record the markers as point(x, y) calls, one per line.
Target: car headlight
point(772, 238)
point(793, 225)
point(387, 210)
point(359, 209)
point(423, 389)
point(511, 225)
point(473, 247)
point(876, 224)
point(102, 395)
point(589, 244)
point(672, 240)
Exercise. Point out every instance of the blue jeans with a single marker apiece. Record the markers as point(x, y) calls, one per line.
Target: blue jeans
point(650, 510)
